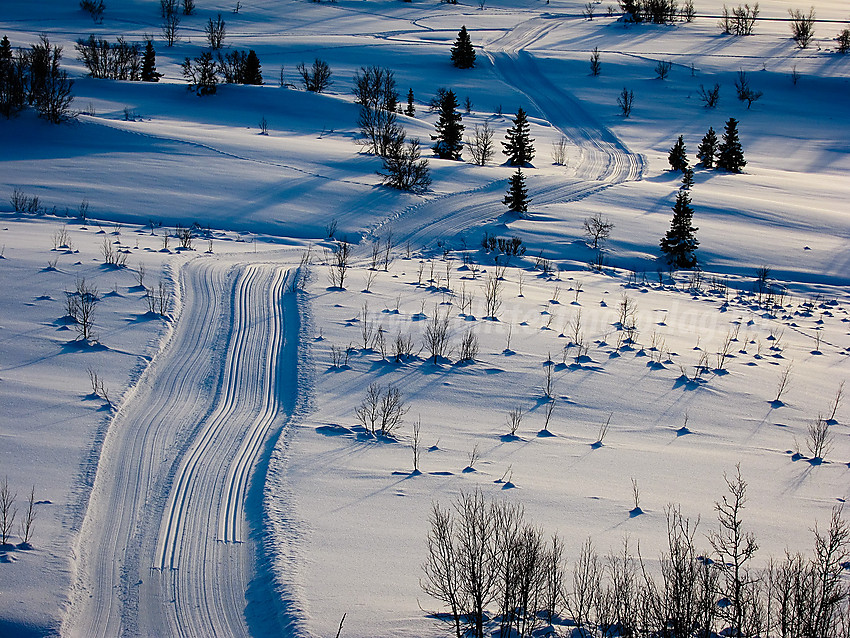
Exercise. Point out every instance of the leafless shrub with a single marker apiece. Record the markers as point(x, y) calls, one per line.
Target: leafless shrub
point(340, 260)
point(802, 26)
point(595, 63)
point(710, 97)
point(437, 335)
point(724, 351)
point(603, 430)
point(416, 445)
point(782, 385)
point(597, 229)
point(481, 144)
point(836, 402)
point(588, 10)
point(215, 31)
point(171, 28)
point(61, 239)
point(8, 511)
point(819, 439)
point(317, 78)
point(741, 20)
point(403, 348)
point(80, 306)
point(514, 419)
point(582, 601)
point(745, 92)
point(382, 411)
point(492, 296)
point(559, 151)
point(662, 69)
point(468, 346)
point(28, 521)
point(734, 549)
point(625, 101)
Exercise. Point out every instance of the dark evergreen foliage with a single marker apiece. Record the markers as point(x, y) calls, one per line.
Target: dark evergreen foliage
point(678, 156)
point(463, 54)
point(448, 142)
point(687, 178)
point(411, 108)
point(149, 73)
point(516, 198)
point(707, 150)
point(519, 147)
point(730, 154)
point(253, 69)
point(12, 79)
point(680, 242)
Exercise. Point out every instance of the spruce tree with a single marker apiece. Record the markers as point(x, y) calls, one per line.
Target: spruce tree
point(516, 198)
point(687, 178)
point(678, 156)
point(730, 155)
point(410, 111)
point(707, 150)
point(149, 73)
point(463, 54)
point(252, 69)
point(680, 242)
point(449, 137)
point(519, 147)
point(12, 94)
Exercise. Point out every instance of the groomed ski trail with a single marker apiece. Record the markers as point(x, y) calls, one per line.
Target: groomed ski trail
point(600, 158)
point(164, 549)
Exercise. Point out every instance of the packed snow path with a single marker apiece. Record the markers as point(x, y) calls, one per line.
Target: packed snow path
point(164, 548)
point(599, 158)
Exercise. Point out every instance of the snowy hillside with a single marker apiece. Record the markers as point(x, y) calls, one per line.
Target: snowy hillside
point(198, 463)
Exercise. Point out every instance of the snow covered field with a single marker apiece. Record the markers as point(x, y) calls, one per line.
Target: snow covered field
point(223, 486)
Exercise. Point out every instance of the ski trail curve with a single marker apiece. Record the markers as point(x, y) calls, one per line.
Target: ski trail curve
point(164, 549)
point(603, 159)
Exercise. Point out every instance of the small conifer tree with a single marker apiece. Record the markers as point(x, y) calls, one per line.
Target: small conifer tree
point(707, 150)
point(687, 178)
point(680, 242)
point(149, 73)
point(252, 70)
point(463, 54)
point(410, 111)
point(730, 154)
point(448, 142)
point(678, 156)
point(519, 146)
point(516, 198)
point(12, 80)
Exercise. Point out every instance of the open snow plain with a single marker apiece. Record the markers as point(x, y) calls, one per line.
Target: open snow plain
point(218, 482)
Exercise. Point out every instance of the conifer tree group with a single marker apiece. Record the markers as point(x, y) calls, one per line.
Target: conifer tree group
point(519, 146)
point(463, 54)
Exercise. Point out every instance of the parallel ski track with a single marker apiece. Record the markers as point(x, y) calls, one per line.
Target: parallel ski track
point(603, 159)
point(162, 549)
